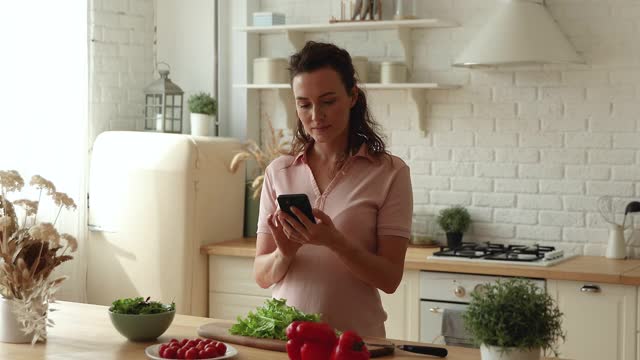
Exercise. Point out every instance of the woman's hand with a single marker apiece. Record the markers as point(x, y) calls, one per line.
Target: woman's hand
point(322, 233)
point(287, 247)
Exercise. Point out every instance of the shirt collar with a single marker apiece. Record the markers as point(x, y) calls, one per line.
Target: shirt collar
point(362, 152)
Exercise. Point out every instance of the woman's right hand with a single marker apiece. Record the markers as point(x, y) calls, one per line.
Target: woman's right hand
point(287, 247)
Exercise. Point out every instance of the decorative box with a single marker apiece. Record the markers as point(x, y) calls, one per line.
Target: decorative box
point(267, 19)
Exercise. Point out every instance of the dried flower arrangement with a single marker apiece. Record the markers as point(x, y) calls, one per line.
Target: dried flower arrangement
point(273, 149)
point(29, 253)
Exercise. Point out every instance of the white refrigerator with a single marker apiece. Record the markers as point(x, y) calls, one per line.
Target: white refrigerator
point(154, 200)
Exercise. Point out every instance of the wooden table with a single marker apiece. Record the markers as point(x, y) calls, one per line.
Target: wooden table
point(84, 331)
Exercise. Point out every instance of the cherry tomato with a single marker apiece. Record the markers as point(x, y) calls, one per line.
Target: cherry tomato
point(180, 353)
point(200, 346)
point(207, 341)
point(173, 340)
point(162, 348)
point(221, 348)
point(191, 343)
point(183, 342)
point(191, 354)
point(169, 353)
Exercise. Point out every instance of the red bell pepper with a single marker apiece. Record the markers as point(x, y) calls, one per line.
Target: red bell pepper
point(293, 349)
point(294, 344)
point(310, 341)
point(317, 332)
point(315, 351)
point(350, 347)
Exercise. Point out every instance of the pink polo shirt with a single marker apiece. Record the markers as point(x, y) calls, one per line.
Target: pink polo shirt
point(369, 197)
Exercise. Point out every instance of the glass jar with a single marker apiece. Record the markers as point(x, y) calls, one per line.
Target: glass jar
point(404, 10)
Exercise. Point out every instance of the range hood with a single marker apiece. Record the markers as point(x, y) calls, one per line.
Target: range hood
point(522, 32)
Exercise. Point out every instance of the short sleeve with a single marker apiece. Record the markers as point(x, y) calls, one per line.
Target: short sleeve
point(267, 203)
point(395, 215)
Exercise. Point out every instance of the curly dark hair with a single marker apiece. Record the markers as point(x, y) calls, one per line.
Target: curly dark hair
point(362, 127)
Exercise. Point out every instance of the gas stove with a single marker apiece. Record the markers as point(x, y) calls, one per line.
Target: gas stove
point(534, 255)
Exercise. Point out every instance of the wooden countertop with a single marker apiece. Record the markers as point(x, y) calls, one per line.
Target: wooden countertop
point(579, 268)
point(84, 331)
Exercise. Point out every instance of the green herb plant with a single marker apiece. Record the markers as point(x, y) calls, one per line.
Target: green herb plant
point(514, 313)
point(454, 219)
point(270, 321)
point(202, 103)
point(139, 306)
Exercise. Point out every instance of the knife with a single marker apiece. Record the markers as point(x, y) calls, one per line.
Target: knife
point(418, 349)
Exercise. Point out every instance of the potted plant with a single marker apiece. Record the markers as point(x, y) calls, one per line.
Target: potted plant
point(513, 320)
point(29, 253)
point(274, 147)
point(454, 221)
point(203, 110)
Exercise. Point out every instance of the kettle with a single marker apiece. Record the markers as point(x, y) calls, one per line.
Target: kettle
point(617, 245)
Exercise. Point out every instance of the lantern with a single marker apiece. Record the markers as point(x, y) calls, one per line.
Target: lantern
point(163, 105)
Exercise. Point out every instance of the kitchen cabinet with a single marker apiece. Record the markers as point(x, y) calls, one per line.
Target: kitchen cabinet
point(600, 319)
point(403, 308)
point(233, 292)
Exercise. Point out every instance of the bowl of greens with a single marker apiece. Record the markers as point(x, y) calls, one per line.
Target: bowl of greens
point(138, 319)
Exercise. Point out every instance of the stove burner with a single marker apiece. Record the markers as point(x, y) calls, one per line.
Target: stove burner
point(497, 252)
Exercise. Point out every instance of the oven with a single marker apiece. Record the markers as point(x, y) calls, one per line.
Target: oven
point(452, 291)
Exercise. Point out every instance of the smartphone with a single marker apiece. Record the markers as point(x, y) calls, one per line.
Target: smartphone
point(299, 201)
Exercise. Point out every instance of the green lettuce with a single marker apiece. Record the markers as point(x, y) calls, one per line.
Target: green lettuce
point(138, 305)
point(270, 321)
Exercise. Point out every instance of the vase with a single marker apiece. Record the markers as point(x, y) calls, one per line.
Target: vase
point(488, 352)
point(251, 212)
point(10, 327)
point(200, 124)
point(454, 240)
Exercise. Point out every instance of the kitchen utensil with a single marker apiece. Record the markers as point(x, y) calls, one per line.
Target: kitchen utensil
point(418, 349)
point(631, 207)
point(606, 209)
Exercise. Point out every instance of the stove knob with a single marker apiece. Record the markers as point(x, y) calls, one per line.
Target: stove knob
point(479, 289)
point(459, 291)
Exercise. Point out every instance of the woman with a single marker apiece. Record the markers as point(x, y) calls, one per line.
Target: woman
point(361, 197)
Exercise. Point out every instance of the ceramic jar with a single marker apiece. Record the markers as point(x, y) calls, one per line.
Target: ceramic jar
point(361, 64)
point(392, 72)
point(270, 71)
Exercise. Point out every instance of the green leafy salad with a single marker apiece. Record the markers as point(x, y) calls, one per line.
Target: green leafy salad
point(138, 306)
point(270, 320)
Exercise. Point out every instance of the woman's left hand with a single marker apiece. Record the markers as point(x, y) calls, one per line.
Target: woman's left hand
point(322, 233)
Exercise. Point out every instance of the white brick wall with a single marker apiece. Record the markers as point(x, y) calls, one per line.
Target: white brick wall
point(528, 149)
point(121, 62)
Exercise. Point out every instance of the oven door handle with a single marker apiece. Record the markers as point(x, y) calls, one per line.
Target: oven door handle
point(436, 310)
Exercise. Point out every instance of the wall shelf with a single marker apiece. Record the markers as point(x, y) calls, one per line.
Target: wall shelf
point(365, 86)
point(295, 33)
point(415, 97)
point(350, 26)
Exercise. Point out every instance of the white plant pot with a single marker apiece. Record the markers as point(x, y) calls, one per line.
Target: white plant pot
point(497, 353)
point(200, 124)
point(10, 327)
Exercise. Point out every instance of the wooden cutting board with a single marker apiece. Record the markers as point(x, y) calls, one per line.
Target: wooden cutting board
point(219, 330)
